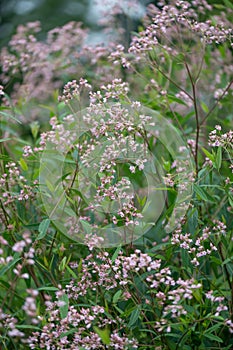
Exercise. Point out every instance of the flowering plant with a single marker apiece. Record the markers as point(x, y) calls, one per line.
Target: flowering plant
point(116, 216)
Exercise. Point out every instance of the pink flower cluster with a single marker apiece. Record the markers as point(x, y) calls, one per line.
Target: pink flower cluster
point(216, 139)
point(200, 246)
point(72, 90)
point(76, 323)
point(39, 63)
point(169, 295)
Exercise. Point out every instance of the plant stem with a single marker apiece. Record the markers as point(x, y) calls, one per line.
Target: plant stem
point(218, 100)
point(193, 84)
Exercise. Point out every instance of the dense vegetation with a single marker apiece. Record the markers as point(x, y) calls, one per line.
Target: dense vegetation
point(116, 205)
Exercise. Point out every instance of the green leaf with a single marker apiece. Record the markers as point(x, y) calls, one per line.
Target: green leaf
point(73, 274)
point(216, 260)
point(172, 98)
point(35, 126)
point(48, 289)
point(86, 226)
point(16, 258)
point(62, 264)
point(197, 295)
point(193, 220)
point(49, 185)
point(166, 165)
point(185, 258)
point(49, 108)
point(6, 139)
point(134, 317)
point(218, 160)
point(204, 107)
point(213, 328)
point(219, 7)
point(43, 227)
point(26, 326)
point(42, 266)
point(228, 4)
point(64, 308)
point(23, 164)
point(213, 337)
point(115, 254)
point(202, 194)
point(8, 115)
point(230, 199)
point(226, 261)
point(62, 178)
point(71, 331)
point(118, 309)
point(229, 267)
point(208, 154)
point(104, 334)
point(116, 296)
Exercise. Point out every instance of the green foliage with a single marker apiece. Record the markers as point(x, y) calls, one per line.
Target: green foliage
point(62, 281)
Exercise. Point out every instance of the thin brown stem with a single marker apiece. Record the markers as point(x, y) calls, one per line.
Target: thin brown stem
point(52, 244)
point(218, 100)
point(172, 81)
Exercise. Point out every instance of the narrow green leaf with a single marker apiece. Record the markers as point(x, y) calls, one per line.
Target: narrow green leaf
point(213, 328)
point(10, 264)
point(35, 126)
point(202, 194)
point(6, 139)
point(226, 261)
point(48, 289)
point(166, 165)
point(27, 326)
point(204, 107)
point(104, 334)
point(219, 7)
point(229, 267)
point(193, 220)
point(86, 226)
point(62, 178)
point(115, 254)
point(230, 199)
point(228, 3)
point(185, 258)
point(41, 266)
point(8, 115)
point(208, 154)
point(116, 296)
point(71, 331)
point(23, 164)
point(73, 274)
point(218, 160)
point(62, 264)
point(118, 309)
point(49, 185)
point(64, 308)
point(172, 98)
point(216, 260)
point(213, 337)
point(134, 317)
point(49, 108)
point(43, 227)
point(197, 295)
